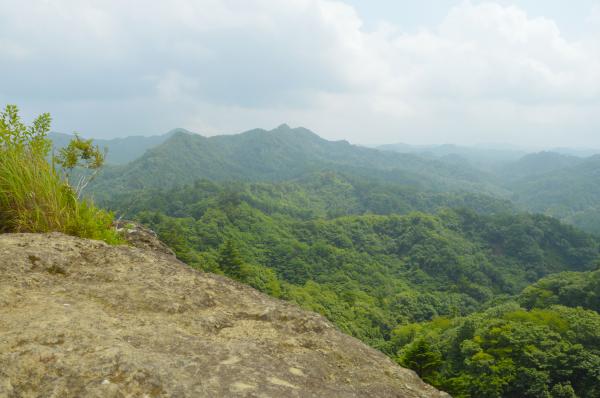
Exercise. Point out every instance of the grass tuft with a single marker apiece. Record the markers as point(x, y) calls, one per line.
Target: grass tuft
point(34, 197)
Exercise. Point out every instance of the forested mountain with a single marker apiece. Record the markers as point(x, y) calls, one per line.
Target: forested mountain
point(571, 193)
point(536, 164)
point(284, 153)
point(120, 150)
point(319, 194)
point(579, 152)
point(557, 184)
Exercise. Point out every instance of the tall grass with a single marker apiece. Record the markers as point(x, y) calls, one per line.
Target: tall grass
point(34, 197)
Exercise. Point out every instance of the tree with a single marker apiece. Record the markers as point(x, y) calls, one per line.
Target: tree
point(84, 154)
point(423, 359)
point(230, 260)
point(563, 391)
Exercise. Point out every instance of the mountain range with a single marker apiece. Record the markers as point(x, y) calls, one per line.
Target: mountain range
point(557, 184)
point(280, 154)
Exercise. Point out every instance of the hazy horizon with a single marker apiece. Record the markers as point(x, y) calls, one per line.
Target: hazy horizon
point(522, 73)
point(498, 146)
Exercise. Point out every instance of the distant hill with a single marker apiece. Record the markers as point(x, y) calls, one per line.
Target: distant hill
point(571, 193)
point(579, 152)
point(487, 158)
point(538, 164)
point(560, 183)
point(120, 150)
point(284, 153)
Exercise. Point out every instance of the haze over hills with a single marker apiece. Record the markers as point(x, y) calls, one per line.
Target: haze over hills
point(537, 164)
point(579, 152)
point(571, 193)
point(119, 150)
point(562, 182)
point(488, 157)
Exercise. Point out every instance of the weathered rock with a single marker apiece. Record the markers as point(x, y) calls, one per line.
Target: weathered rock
point(141, 237)
point(79, 318)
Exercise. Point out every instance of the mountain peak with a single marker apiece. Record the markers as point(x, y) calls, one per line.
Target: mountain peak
point(283, 126)
point(178, 130)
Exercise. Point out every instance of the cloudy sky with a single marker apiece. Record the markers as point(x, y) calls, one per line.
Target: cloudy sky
point(370, 71)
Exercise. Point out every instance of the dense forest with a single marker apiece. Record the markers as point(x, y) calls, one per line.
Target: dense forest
point(445, 283)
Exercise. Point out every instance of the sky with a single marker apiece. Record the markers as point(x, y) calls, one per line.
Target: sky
point(524, 73)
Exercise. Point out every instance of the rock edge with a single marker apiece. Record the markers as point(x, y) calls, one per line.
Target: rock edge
point(79, 318)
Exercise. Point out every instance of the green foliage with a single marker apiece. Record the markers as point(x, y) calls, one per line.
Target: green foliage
point(14, 134)
point(118, 150)
point(317, 195)
point(367, 273)
point(563, 391)
point(423, 359)
point(568, 288)
point(507, 351)
point(83, 155)
point(33, 196)
point(261, 278)
point(80, 153)
point(562, 186)
point(570, 192)
point(229, 259)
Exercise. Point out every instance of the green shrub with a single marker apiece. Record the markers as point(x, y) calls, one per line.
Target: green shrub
point(34, 196)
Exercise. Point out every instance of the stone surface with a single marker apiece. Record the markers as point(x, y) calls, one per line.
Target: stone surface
point(79, 318)
point(141, 237)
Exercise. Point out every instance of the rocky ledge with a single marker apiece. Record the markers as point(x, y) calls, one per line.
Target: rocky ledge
point(79, 318)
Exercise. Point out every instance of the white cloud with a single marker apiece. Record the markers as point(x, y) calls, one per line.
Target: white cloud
point(486, 73)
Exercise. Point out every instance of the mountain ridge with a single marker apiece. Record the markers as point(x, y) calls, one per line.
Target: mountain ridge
point(284, 153)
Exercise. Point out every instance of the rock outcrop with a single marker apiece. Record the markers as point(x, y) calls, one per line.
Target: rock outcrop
point(141, 237)
point(79, 318)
